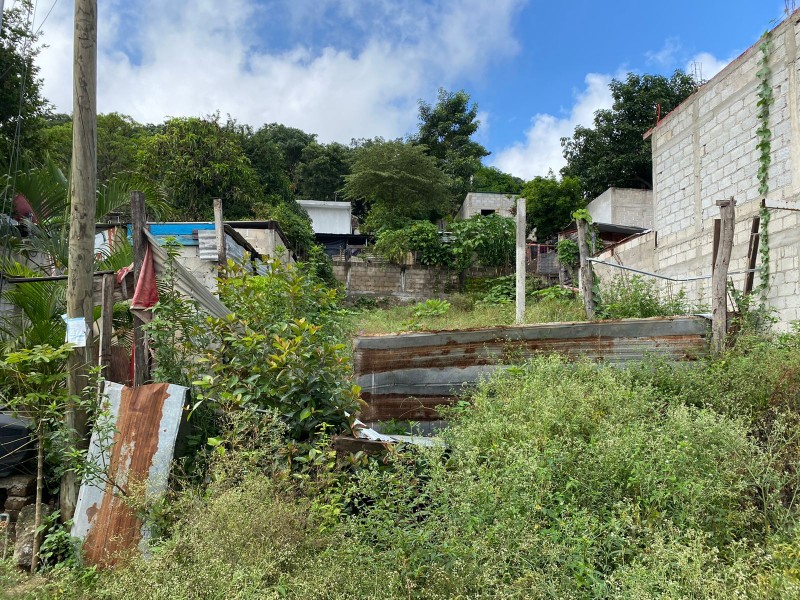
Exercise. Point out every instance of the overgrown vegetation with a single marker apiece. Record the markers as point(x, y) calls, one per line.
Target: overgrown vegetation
point(632, 297)
point(479, 309)
point(558, 480)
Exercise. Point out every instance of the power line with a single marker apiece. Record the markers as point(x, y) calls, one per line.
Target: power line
point(6, 250)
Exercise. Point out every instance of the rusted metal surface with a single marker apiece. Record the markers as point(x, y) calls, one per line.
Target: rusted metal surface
point(146, 419)
point(408, 376)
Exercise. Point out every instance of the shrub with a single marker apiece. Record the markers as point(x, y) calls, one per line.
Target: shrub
point(431, 308)
point(637, 298)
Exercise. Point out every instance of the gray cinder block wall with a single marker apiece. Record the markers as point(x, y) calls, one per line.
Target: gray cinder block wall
point(704, 151)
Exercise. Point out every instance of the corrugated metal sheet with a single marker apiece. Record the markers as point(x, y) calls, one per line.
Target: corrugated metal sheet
point(207, 247)
point(147, 420)
point(186, 283)
point(407, 376)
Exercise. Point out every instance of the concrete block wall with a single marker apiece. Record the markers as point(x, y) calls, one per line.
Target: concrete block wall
point(704, 151)
point(623, 206)
point(384, 279)
point(475, 202)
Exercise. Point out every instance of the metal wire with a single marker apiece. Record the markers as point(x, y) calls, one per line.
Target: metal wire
point(667, 278)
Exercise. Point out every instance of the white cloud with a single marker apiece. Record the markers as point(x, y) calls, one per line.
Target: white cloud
point(187, 57)
point(705, 65)
point(541, 149)
point(666, 57)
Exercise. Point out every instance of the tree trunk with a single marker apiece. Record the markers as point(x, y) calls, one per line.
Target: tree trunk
point(37, 519)
point(586, 277)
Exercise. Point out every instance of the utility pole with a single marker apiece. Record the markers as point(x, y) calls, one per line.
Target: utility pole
point(83, 198)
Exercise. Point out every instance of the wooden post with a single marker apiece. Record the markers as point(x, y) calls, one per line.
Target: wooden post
point(521, 271)
point(83, 199)
point(219, 231)
point(106, 321)
point(715, 244)
point(139, 218)
point(719, 278)
point(752, 255)
point(585, 274)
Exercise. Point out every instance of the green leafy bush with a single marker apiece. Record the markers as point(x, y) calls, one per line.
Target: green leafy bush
point(558, 480)
point(431, 308)
point(637, 298)
point(568, 254)
point(487, 240)
point(280, 349)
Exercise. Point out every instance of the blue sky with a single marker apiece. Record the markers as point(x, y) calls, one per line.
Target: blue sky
point(355, 68)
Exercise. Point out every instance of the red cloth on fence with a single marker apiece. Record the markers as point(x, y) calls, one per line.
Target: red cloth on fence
point(146, 294)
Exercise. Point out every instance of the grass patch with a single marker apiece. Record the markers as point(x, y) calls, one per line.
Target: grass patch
point(464, 313)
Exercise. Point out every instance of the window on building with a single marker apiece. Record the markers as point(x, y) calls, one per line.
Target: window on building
point(487, 211)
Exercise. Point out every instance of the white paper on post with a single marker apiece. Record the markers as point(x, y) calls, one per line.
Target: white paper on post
point(76, 331)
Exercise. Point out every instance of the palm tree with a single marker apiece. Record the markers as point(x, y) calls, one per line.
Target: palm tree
point(41, 249)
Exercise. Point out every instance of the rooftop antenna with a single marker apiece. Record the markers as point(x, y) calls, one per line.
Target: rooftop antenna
point(697, 72)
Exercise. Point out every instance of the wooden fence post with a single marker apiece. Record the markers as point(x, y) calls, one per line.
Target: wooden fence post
point(219, 233)
point(586, 275)
point(719, 277)
point(139, 218)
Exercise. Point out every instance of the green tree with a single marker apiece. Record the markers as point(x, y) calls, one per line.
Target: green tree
point(276, 152)
point(22, 107)
point(196, 160)
point(320, 174)
point(399, 183)
point(550, 203)
point(118, 140)
point(613, 151)
point(492, 179)
point(446, 130)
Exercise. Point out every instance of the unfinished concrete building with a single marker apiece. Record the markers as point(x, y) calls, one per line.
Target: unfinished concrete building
point(706, 150)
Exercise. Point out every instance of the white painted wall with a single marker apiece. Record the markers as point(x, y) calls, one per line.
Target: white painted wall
point(328, 217)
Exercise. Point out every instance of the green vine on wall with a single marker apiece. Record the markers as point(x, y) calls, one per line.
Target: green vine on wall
point(764, 145)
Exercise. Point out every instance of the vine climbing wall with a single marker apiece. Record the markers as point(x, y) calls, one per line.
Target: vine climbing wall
point(738, 136)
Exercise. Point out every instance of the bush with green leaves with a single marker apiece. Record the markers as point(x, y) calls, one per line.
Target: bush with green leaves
point(503, 290)
point(422, 238)
point(556, 480)
point(485, 240)
point(431, 308)
point(568, 254)
point(637, 298)
point(281, 349)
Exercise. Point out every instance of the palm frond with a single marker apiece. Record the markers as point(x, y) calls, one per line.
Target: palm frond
point(36, 309)
point(47, 190)
point(120, 256)
point(115, 196)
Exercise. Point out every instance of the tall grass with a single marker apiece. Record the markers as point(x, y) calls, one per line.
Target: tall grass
point(465, 313)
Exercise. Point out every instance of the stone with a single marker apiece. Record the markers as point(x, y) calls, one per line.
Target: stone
point(18, 502)
point(23, 546)
point(19, 485)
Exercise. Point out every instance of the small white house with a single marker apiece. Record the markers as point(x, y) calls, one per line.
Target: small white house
point(329, 217)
